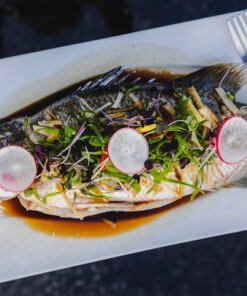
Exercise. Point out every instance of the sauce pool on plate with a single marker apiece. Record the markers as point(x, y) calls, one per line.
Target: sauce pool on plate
point(99, 226)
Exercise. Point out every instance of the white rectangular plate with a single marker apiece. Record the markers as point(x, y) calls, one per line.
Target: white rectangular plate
point(26, 78)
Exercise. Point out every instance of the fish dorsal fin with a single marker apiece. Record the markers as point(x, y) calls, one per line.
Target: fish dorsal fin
point(105, 80)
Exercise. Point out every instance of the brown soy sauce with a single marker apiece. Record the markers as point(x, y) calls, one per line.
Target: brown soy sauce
point(98, 226)
point(109, 224)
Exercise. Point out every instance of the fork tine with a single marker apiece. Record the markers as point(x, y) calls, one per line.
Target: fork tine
point(243, 39)
point(243, 21)
point(236, 41)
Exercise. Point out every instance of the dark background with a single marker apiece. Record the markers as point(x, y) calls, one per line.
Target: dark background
point(216, 266)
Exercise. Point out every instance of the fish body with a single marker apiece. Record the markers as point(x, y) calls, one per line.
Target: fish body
point(116, 99)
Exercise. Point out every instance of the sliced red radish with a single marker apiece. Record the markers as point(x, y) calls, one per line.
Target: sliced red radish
point(4, 195)
point(17, 168)
point(128, 150)
point(231, 141)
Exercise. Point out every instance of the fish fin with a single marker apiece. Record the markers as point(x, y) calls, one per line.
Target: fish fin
point(105, 80)
point(239, 177)
point(231, 77)
point(242, 183)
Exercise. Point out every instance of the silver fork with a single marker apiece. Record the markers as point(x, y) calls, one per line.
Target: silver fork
point(238, 28)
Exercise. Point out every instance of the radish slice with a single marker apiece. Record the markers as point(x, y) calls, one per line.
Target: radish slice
point(231, 141)
point(17, 168)
point(4, 195)
point(128, 150)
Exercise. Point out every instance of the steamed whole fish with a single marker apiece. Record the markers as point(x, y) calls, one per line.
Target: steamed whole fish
point(178, 118)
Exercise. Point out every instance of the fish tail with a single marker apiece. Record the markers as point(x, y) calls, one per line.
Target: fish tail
point(242, 183)
point(239, 176)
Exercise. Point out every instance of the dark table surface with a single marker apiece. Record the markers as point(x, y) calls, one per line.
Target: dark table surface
point(216, 266)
